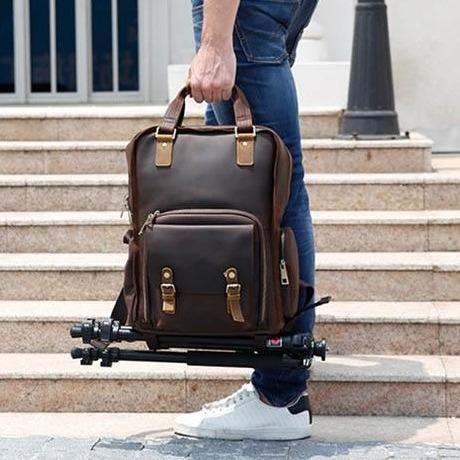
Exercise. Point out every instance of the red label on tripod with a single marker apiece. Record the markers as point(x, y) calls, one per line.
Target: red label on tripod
point(275, 342)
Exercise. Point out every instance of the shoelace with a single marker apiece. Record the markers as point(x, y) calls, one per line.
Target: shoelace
point(239, 395)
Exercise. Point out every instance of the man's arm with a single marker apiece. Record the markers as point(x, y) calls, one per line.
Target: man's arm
point(213, 69)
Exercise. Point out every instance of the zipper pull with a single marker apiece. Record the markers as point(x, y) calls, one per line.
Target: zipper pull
point(149, 221)
point(284, 273)
point(124, 206)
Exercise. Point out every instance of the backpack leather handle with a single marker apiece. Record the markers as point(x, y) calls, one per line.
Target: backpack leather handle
point(175, 112)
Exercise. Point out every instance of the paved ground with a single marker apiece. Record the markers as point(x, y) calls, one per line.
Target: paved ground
point(174, 448)
point(129, 436)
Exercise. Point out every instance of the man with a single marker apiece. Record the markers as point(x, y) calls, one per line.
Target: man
point(252, 43)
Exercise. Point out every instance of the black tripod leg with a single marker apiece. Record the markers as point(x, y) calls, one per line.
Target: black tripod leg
point(193, 358)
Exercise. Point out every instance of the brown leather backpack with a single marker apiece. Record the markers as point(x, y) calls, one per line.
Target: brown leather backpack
point(207, 255)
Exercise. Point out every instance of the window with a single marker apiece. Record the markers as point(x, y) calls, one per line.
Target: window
point(6, 47)
point(115, 45)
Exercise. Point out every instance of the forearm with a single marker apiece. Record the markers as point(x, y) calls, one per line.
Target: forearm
point(213, 69)
point(218, 21)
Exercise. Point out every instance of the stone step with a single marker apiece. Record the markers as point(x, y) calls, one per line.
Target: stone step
point(121, 122)
point(410, 385)
point(79, 192)
point(443, 161)
point(320, 156)
point(368, 156)
point(337, 231)
point(385, 192)
point(425, 328)
point(104, 192)
point(63, 231)
point(365, 276)
point(387, 231)
point(65, 276)
point(389, 276)
point(156, 430)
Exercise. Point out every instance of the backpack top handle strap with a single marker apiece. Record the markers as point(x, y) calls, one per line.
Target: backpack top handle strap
point(245, 131)
point(175, 112)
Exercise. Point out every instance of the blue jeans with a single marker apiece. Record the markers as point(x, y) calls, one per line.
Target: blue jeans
point(265, 37)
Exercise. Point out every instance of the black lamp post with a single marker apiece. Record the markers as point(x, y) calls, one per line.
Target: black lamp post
point(370, 112)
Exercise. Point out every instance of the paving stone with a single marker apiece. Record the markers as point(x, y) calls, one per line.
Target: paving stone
point(118, 444)
point(179, 448)
point(66, 444)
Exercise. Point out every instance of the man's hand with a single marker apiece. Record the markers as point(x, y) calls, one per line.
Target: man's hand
point(213, 69)
point(212, 73)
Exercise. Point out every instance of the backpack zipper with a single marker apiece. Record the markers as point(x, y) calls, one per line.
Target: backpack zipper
point(125, 207)
point(148, 223)
point(283, 268)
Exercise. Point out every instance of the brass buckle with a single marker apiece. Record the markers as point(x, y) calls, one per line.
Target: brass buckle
point(168, 296)
point(245, 135)
point(233, 287)
point(165, 287)
point(165, 137)
point(164, 150)
point(245, 147)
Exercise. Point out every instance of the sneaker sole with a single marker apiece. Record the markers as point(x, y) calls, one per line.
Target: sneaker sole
point(262, 434)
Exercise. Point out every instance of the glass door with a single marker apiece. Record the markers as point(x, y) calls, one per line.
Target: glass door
point(72, 50)
point(52, 47)
point(115, 46)
point(7, 84)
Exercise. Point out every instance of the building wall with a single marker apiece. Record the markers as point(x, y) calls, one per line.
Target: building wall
point(425, 45)
point(336, 18)
point(180, 22)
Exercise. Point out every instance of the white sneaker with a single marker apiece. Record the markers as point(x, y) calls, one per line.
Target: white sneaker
point(242, 415)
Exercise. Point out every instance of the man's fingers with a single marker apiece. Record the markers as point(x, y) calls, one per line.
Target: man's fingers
point(217, 94)
point(197, 94)
point(226, 94)
point(208, 93)
point(221, 95)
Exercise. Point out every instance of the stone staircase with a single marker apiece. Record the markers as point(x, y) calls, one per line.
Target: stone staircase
point(387, 226)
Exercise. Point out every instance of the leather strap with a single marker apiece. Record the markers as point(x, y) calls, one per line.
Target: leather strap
point(164, 150)
point(168, 291)
point(245, 148)
point(175, 112)
point(233, 293)
point(120, 311)
point(309, 293)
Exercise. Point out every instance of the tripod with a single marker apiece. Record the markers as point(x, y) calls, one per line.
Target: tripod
point(287, 351)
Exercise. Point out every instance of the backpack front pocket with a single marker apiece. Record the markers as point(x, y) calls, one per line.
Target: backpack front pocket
point(203, 271)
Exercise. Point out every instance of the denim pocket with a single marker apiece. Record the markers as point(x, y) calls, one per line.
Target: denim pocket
point(300, 22)
point(261, 27)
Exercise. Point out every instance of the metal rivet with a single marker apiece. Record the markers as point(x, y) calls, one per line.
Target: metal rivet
point(231, 275)
point(166, 274)
point(163, 144)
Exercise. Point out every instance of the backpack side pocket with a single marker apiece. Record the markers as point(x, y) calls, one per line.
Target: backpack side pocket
point(289, 271)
